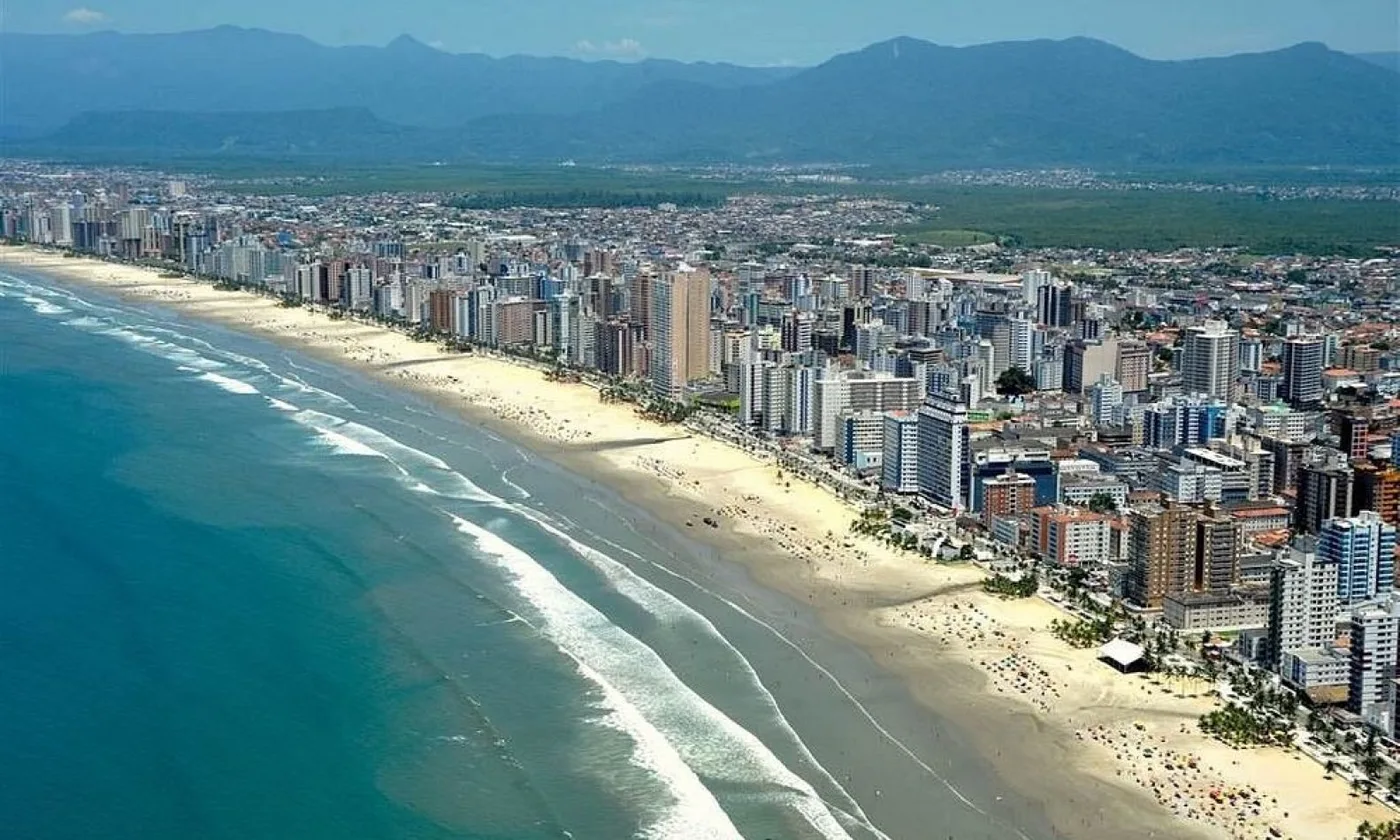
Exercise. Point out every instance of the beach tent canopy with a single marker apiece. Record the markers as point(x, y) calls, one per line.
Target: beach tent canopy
point(1121, 652)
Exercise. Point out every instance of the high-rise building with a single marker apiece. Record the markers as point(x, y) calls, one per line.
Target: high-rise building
point(639, 299)
point(1302, 601)
point(1054, 304)
point(838, 392)
point(1106, 401)
point(1363, 547)
point(1325, 491)
point(1033, 463)
point(1008, 494)
point(1161, 544)
point(1020, 344)
point(1302, 372)
point(442, 310)
point(1216, 563)
point(680, 330)
point(1251, 354)
point(1183, 421)
point(900, 470)
point(1086, 361)
point(1377, 488)
point(944, 451)
point(1375, 653)
point(1210, 360)
point(1032, 282)
point(1134, 366)
point(1071, 536)
point(860, 440)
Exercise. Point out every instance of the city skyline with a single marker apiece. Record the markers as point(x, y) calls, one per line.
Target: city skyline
point(764, 34)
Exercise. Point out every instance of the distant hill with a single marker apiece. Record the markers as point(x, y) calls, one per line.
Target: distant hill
point(903, 103)
point(1388, 60)
point(1041, 102)
point(46, 80)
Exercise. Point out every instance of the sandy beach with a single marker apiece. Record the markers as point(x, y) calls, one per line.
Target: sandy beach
point(1106, 755)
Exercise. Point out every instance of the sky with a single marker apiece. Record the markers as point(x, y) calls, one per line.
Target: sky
point(759, 32)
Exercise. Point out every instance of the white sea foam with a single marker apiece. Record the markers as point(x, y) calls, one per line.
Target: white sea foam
point(228, 383)
point(343, 445)
point(603, 652)
point(665, 606)
point(422, 467)
point(44, 307)
point(165, 349)
point(87, 322)
point(281, 405)
point(295, 383)
point(421, 471)
point(505, 479)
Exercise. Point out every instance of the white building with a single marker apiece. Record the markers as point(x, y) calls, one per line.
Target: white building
point(1375, 641)
point(1303, 601)
point(1191, 483)
point(842, 391)
point(1210, 359)
point(1106, 401)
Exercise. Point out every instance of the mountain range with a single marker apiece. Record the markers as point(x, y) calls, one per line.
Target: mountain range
point(903, 103)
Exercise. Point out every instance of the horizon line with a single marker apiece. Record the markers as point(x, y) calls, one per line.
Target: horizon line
point(642, 57)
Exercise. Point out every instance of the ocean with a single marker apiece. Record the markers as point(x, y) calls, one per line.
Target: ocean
point(247, 594)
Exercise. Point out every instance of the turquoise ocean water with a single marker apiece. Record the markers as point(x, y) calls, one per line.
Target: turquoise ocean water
point(244, 594)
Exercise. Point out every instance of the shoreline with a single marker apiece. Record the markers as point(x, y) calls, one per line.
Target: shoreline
point(1061, 730)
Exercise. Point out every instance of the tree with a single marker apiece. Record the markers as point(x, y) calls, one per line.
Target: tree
point(1015, 382)
point(1102, 503)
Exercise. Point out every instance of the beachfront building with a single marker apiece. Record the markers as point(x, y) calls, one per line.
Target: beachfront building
point(944, 462)
point(1301, 644)
point(1034, 463)
point(1218, 612)
point(860, 440)
point(1161, 542)
point(1007, 495)
point(1071, 536)
point(838, 392)
point(1375, 643)
point(680, 330)
point(1303, 608)
point(1363, 548)
point(900, 467)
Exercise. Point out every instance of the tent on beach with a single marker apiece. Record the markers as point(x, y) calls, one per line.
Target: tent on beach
point(1123, 655)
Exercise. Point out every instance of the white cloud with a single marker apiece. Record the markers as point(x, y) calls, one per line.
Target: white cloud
point(84, 16)
point(624, 48)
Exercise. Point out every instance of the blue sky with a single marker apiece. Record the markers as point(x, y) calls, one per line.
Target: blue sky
point(749, 31)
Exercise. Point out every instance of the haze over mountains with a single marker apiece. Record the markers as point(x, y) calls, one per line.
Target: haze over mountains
point(905, 102)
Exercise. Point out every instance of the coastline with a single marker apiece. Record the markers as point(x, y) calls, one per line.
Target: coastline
point(1058, 727)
